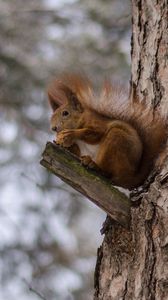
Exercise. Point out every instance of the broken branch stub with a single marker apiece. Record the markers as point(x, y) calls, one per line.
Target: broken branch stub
point(94, 186)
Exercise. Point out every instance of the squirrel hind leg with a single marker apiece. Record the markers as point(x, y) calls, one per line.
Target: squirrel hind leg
point(119, 156)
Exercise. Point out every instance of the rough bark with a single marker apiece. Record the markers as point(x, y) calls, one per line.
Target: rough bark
point(134, 264)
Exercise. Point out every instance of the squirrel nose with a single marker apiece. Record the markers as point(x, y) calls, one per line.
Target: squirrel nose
point(54, 128)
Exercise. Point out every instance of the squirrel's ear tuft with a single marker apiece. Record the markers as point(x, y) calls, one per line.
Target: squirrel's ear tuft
point(73, 101)
point(53, 103)
point(61, 93)
point(57, 94)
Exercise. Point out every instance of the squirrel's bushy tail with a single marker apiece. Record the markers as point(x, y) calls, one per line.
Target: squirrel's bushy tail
point(152, 129)
point(150, 125)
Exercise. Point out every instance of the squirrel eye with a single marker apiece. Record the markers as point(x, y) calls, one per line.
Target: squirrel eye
point(65, 113)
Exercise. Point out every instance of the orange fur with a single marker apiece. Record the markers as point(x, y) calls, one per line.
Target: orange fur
point(128, 134)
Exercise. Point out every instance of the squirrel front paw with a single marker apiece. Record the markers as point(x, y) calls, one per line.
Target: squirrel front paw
point(65, 138)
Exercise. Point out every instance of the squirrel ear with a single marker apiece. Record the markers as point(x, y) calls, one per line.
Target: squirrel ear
point(53, 103)
point(60, 94)
point(56, 95)
point(74, 102)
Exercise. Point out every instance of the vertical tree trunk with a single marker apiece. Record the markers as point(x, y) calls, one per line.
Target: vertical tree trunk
point(134, 264)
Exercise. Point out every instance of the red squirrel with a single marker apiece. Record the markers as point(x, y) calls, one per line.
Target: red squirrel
point(112, 132)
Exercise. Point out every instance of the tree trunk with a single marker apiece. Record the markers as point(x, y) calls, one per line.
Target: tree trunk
point(134, 264)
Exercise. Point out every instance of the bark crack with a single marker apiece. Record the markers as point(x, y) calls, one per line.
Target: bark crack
point(151, 256)
point(139, 15)
point(97, 272)
point(125, 290)
point(156, 81)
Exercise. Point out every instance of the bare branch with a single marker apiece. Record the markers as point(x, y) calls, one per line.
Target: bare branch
point(31, 289)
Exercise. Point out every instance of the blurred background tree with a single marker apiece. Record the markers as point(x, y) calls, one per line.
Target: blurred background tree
point(49, 236)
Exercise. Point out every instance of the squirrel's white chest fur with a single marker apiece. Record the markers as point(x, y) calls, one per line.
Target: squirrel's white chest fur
point(87, 149)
